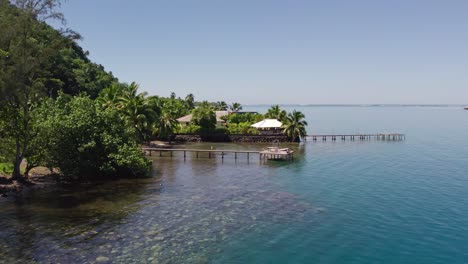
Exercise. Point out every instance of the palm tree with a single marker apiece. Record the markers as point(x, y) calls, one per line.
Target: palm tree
point(110, 96)
point(221, 106)
point(190, 101)
point(276, 112)
point(295, 126)
point(235, 107)
point(137, 111)
point(167, 125)
point(204, 117)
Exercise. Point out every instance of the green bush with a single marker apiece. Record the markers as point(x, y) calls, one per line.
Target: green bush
point(191, 129)
point(85, 141)
point(241, 128)
point(243, 118)
point(221, 130)
point(6, 168)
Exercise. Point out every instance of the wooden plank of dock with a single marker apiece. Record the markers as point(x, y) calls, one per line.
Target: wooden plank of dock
point(263, 155)
point(198, 151)
point(352, 137)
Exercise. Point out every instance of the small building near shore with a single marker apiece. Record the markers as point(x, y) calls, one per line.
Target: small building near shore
point(186, 120)
point(269, 127)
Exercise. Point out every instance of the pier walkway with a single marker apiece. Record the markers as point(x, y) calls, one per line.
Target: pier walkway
point(352, 137)
point(271, 153)
point(210, 152)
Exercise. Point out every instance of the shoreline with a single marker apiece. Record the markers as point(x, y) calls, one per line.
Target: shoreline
point(14, 188)
point(230, 138)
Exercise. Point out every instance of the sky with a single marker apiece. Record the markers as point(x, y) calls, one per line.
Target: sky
point(285, 52)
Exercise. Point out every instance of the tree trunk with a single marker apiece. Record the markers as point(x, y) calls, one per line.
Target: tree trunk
point(16, 169)
point(18, 159)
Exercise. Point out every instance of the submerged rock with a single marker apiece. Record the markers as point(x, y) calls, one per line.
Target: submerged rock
point(102, 259)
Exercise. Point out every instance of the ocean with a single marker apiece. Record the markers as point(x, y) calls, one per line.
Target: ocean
point(337, 202)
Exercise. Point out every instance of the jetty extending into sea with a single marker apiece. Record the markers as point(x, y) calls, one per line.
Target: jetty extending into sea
point(270, 153)
point(352, 137)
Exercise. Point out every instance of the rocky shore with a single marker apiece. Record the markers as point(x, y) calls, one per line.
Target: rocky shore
point(40, 180)
point(230, 138)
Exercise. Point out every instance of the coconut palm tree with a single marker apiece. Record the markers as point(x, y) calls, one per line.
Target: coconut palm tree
point(276, 112)
point(137, 111)
point(235, 107)
point(295, 126)
point(110, 96)
point(190, 101)
point(221, 106)
point(166, 125)
point(204, 117)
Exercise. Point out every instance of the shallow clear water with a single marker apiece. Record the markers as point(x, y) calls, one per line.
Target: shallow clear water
point(338, 202)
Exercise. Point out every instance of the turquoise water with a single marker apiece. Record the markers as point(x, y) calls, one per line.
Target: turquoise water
point(338, 202)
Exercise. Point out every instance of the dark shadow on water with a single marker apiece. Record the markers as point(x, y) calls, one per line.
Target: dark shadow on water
point(48, 219)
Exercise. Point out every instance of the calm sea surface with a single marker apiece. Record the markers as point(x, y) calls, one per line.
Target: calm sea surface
point(338, 202)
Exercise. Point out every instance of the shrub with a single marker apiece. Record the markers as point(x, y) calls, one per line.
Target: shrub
point(191, 129)
point(83, 140)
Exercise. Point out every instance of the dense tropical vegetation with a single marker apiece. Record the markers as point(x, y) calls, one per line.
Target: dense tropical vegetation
point(60, 110)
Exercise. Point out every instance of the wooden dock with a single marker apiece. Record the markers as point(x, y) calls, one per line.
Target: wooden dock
point(352, 137)
point(210, 153)
point(266, 154)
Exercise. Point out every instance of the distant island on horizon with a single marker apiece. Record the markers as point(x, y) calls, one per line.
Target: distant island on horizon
point(360, 105)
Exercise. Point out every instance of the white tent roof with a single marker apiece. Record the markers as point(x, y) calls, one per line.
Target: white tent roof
point(268, 123)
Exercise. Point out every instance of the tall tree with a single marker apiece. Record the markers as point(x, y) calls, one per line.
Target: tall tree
point(110, 96)
point(276, 112)
point(166, 125)
point(221, 106)
point(295, 126)
point(235, 107)
point(190, 101)
point(26, 53)
point(204, 117)
point(137, 111)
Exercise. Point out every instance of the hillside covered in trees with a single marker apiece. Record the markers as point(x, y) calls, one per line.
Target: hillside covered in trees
point(60, 110)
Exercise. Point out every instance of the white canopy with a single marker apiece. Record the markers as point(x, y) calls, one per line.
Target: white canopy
point(268, 123)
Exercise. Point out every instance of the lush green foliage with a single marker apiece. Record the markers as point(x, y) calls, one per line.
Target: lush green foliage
point(191, 129)
point(150, 116)
point(37, 61)
point(220, 106)
point(83, 140)
point(275, 112)
point(241, 123)
point(136, 111)
point(295, 126)
point(243, 118)
point(242, 128)
point(6, 168)
point(235, 107)
point(204, 117)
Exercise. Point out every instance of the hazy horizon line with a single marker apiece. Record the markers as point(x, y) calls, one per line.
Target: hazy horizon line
point(367, 105)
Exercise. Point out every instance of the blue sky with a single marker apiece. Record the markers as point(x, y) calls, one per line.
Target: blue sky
point(287, 52)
